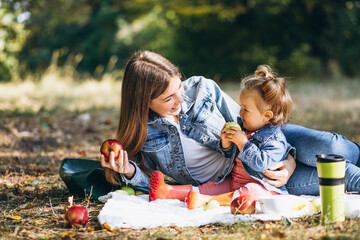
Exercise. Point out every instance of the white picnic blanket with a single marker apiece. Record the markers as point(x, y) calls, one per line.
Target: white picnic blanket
point(136, 212)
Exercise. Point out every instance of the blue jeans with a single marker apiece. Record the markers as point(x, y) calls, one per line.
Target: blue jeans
point(308, 144)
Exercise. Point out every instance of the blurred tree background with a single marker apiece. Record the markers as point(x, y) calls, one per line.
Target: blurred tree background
point(223, 40)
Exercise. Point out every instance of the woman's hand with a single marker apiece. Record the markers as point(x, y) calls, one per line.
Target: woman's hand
point(120, 165)
point(280, 173)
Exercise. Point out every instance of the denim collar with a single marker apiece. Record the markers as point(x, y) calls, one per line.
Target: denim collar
point(153, 117)
point(264, 133)
point(186, 104)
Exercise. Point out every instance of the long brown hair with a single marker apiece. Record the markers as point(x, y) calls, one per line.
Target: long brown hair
point(272, 91)
point(147, 75)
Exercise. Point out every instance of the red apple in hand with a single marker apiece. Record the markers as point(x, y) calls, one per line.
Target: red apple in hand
point(243, 205)
point(110, 145)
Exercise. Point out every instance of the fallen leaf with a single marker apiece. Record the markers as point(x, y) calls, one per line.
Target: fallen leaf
point(68, 234)
point(71, 200)
point(267, 226)
point(107, 227)
point(35, 236)
point(10, 195)
point(90, 229)
point(39, 221)
point(278, 234)
point(54, 220)
point(26, 205)
point(14, 217)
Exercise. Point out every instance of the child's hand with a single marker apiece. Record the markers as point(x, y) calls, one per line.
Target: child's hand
point(225, 143)
point(235, 135)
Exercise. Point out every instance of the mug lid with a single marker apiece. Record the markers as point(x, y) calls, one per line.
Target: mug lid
point(326, 158)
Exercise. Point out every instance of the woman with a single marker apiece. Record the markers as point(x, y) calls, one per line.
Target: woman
point(173, 126)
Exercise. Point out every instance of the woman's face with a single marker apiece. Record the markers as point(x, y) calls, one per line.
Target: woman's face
point(168, 103)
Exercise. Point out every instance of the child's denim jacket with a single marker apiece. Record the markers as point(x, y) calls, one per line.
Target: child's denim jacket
point(205, 110)
point(265, 148)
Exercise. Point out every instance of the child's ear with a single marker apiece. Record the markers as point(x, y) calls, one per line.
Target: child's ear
point(268, 115)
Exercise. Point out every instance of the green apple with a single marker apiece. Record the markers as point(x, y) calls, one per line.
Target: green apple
point(211, 205)
point(122, 192)
point(315, 205)
point(233, 124)
point(128, 189)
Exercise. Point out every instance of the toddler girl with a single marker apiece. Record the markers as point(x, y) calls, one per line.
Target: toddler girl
point(265, 107)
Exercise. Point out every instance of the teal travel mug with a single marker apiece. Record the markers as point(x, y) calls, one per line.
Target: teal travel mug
point(331, 172)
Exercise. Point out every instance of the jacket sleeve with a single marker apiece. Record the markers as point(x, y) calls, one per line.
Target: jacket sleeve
point(261, 159)
point(229, 109)
point(140, 179)
point(226, 106)
point(230, 152)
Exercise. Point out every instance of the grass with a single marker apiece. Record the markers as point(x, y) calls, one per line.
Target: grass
point(42, 122)
point(50, 94)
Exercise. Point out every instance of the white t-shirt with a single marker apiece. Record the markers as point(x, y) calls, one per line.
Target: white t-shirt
point(203, 163)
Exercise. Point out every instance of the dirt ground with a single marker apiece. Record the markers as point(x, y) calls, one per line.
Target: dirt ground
point(32, 195)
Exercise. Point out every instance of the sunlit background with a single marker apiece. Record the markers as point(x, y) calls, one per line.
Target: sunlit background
point(222, 40)
point(69, 55)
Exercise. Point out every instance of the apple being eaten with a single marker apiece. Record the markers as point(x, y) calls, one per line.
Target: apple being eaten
point(243, 205)
point(110, 145)
point(233, 124)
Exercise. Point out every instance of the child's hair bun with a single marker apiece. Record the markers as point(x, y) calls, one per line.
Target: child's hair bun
point(264, 71)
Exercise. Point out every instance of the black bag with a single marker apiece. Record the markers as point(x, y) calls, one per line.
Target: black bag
point(84, 176)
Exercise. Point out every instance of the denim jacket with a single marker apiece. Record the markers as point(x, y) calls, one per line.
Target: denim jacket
point(205, 110)
point(265, 148)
